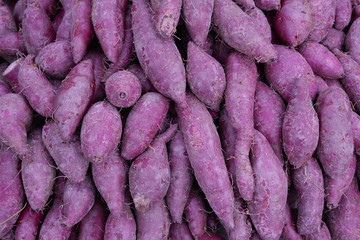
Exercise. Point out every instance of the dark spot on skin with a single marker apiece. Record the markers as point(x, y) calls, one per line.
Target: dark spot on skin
point(122, 95)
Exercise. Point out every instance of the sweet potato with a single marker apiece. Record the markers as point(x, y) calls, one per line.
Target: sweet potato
point(146, 85)
point(204, 150)
point(355, 126)
point(63, 33)
point(4, 89)
point(124, 226)
point(50, 6)
point(167, 16)
point(92, 227)
point(289, 231)
point(221, 50)
point(334, 39)
point(12, 44)
point(323, 234)
point(321, 84)
point(352, 40)
point(335, 83)
point(268, 5)
point(323, 17)
point(28, 224)
point(240, 32)
point(148, 113)
point(195, 214)
point(342, 14)
point(153, 51)
point(18, 11)
point(336, 147)
point(180, 231)
point(56, 21)
point(11, 75)
point(7, 23)
point(261, 21)
point(247, 4)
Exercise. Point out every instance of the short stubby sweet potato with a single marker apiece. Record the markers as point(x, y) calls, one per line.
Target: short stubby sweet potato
point(167, 16)
point(92, 226)
point(28, 224)
point(195, 213)
point(323, 17)
point(123, 225)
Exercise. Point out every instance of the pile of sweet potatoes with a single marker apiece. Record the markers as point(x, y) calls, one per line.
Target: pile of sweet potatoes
point(179, 119)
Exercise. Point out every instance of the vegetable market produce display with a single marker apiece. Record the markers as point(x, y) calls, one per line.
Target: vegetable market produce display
point(179, 119)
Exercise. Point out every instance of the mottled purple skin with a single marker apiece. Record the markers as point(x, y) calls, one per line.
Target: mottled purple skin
point(267, 5)
point(123, 226)
point(12, 44)
point(78, 200)
point(241, 75)
point(81, 28)
point(28, 224)
point(289, 231)
point(167, 16)
point(195, 214)
point(269, 111)
point(293, 22)
point(289, 66)
point(334, 83)
point(11, 75)
point(343, 221)
point(38, 172)
point(204, 150)
point(323, 234)
point(73, 97)
point(63, 33)
point(67, 155)
point(37, 28)
point(321, 84)
point(92, 226)
point(181, 178)
point(334, 39)
point(342, 14)
point(180, 231)
point(110, 178)
point(12, 193)
point(149, 174)
point(336, 146)
point(323, 17)
point(56, 21)
point(197, 17)
point(146, 85)
point(101, 131)
point(50, 6)
point(147, 115)
point(240, 32)
point(153, 224)
point(55, 59)
point(7, 23)
point(36, 88)
point(267, 208)
point(158, 56)
point(355, 126)
point(15, 118)
point(300, 130)
point(247, 4)
point(260, 19)
point(205, 76)
point(309, 183)
point(4, 89)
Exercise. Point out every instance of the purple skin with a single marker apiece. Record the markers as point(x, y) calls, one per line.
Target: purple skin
point(221, 51)
point(149, 174)
point(247, 4)
point(309, 183)
point(300, 130)
point(342, 222)
point(146, 85)
point(153, 51)
point(92, 227)
point(37, 28)
point(67, 155)
point(108, 20)
point(334, 39)
point(289, 66)
point(336, 147)
point(167, 17)
point(336, 187)
point(36, 88)
point(123, 89)
point(110, 179)
point(38, 172)
point(15, 118)
point(148, 114)
point(355, 126)
point(239, 103)
point(323, 15)
point(50, 6)
point(210, 236)
point(180, 231)
point(204, 150)
point(260, 19)
point(267, 5)
point(12, 193)
point(334, 83)
point(4, 89)
point(124, 226)
point(197, 17)
point(240, 32)
point(28, 224)
point(73, 98)
point(343, 14)
point(101, 124)
point(321, 84)
point(293, 22)
point(289, 231)
point(205, 76)
point(267, 208)
point(78, 200)
point(12, 44)
point(7, 23)
point(269, 111)
point(55, 59)
point(18, 11)
point(63, 32)
point(195, 214)
point(153, 224)
point(81, 28)
point(323, 234)
point(56, 21)
point(181, 178)
point(11, 75)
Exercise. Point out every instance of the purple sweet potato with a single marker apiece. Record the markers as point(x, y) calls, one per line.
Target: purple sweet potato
point(28, 224)
point(336, 147)
point(247, 4)
point(153, 224)
point(267, 208)
point(110, 180)
point(221, 50)
point(342, 14)
point(300, 130)
point(50, 6)
point(267, 5)
point(335, 83)
point(121, 226)
point(180, 231)
point(323, 17)
point(204, 150)
point(206, 77)
point(146, 85)
point(282, 73)
point(152, 164)
point(92, 227)
point(260, 19)
point(63, 32)
point(37, 27)
point(7, 23)
point(155, 51)
point(56, 21)
point(289, 231)
point(4, 89)
point(240, 32)
point(293, 22)
point(73, 97)
point(12, 44)
point(355, 126)
point(147, 115)
point(78, 200)
point(167, 16)
point(195, 214)
point(101, 124)
point(11, 193)
point(323, 234)
point(18, 11)
point(321, 84)
point(239, 103)
point(67, 155)
point(55, 59)
point(11, 75)
point(334, 39)
point(36, 88)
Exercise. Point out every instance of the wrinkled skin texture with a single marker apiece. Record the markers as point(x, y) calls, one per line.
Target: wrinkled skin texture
point(92, 227)
point(180, 231)
point(167, 15)
point(334, 39)
point(195, 214)
point(323, 15)
point(342, 14)
point(123, 226)
point(323, 234)
point(28, 224)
